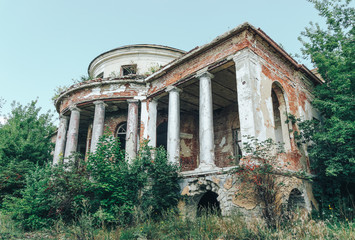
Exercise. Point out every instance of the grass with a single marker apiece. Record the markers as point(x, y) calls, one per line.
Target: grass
point(172, 226)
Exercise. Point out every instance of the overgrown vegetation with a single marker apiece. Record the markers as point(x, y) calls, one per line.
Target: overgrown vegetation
point(60, 89)
point(332, 139)
point(24, 144)
point(172, 226)
point(110, 198)
point(258, 169)
point(110, 189)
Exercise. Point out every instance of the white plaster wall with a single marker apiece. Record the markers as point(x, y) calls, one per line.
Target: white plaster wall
point(145, 57)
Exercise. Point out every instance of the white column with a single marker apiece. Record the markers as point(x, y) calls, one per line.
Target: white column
point(249, 96)
point(149, 121)
point(173, 144)
point(132, 130)
point(206, 135)
point(61, 138)
point(73, 132)
point(98, 125)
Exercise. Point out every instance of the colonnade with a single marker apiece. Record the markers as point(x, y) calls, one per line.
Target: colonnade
point(245, 77)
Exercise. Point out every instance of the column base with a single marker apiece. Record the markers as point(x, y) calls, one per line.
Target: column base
point(206, 168)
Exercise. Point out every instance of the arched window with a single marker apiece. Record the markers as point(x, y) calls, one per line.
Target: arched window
point(280, 115)
point(277, 118)
point(121, 134)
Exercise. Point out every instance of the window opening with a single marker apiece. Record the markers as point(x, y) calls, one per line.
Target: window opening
point(129, 69)
point(100, 75)
point(277, 118)
point(121, 134)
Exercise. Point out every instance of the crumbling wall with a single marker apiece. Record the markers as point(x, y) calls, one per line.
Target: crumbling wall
point(204, 59)
point(113, 120)
point(99, 89)
point(237, 197)
point(189, 144)
point(226, 123)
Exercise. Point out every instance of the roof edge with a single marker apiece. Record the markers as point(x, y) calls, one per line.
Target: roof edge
point(223, 37)
point(156, 46)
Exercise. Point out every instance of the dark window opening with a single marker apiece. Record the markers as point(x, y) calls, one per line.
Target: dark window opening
point(121, 134)
point(162, 135)
point(100, 75)
point(208, 204)
point(277, 118)
point(129, 69)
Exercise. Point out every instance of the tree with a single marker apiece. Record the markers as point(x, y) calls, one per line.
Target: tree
point(25, 141)
point(332, 51)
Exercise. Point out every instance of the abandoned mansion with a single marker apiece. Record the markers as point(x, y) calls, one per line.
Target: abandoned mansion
point(201, 106)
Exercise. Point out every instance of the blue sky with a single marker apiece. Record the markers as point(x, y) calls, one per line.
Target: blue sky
point(47, 43)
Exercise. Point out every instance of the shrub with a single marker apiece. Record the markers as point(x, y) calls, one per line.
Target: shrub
point(50, 194)
point(24, 142)
point(131, 191)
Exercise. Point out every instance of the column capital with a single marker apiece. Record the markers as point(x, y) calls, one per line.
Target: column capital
point(61, 116)
point(204, 73)
point(153, 100)
point(132, 100)
point(172, 89)
point(74, 108)
point(244, 54)
point(99, 102)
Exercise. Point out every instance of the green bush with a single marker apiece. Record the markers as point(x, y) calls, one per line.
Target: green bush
point(24, 142)
point(131, 191)
point(113, 190)
point(50, 194)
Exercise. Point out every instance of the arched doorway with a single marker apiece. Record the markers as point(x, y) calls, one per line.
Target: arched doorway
point(208, 204)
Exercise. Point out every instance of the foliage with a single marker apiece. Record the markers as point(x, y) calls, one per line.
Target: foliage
point(332, 140)
point(114, 185)
point(161, 189)
point(106, 190)
point(51, 193)
point(153, 69)
point(2, 102)
point(25, 140)
point(172, 226)
point(60, 89)
point(83, 78)
point(147, 185)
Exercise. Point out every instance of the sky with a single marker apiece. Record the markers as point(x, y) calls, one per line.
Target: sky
point(47, 43)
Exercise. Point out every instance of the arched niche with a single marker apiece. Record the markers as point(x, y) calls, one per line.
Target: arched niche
point(296, 201)
point(279, 106)
point(208, 204)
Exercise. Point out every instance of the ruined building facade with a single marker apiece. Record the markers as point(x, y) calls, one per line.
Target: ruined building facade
point(200, 105)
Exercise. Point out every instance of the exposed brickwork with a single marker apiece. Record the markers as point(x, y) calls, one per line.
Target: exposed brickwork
point(189, 144)
point(225, 122)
